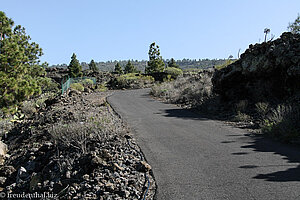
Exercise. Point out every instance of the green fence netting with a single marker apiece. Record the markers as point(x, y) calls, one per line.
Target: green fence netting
point(65, 85)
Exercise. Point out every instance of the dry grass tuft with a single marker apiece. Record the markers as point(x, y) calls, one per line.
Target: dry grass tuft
point(283, 122)
point(191, 90)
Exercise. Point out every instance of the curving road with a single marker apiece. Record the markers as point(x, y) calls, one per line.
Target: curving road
point(197, 158)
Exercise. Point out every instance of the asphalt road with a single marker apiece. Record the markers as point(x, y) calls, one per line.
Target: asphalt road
point(197, 158)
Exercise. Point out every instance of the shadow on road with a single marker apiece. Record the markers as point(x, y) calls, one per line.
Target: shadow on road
point(288, 152)
point(183, 113)
point(258, 144)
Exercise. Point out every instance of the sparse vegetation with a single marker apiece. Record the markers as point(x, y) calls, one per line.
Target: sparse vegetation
point(241, 117)
point(283, 123)
point(131, 80)
point(295, 26)
point(87, 82)
point(76, 140)
point(262, 108)
point(77, 86)
point(101, 88)
point(225, 64)
point(191, 90)
point(173, 72)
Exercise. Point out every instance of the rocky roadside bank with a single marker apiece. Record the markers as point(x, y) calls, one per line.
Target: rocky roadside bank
point(76, 148)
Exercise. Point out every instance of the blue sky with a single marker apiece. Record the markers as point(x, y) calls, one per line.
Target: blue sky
point(124, 29)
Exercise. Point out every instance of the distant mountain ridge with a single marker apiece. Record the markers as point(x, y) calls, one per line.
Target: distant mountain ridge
point(140, 65)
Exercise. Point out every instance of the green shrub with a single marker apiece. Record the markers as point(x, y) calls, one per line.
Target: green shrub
point(131, 80)
point(48, 85)
point(77, 86)
point(101, 88)
point(87, 82)
point(168, 78)
point(173, 71)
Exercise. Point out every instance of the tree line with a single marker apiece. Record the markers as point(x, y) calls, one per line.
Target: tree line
point(22, 76)
point(142, 64)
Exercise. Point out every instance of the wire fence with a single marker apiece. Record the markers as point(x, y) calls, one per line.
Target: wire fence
point(65, 85)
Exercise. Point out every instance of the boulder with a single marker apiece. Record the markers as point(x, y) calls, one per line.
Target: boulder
point(3, 152)
point(270, 70)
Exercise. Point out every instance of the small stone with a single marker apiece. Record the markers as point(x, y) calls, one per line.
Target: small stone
point(3, 149)
point(68, 174)
point(110, 187)
point(22, 173)
point(34, 149)
point(32, 158)
point(2, 180)
point(46, 182)
point(118, 167)
point(127, 193)
point(98, 161)
point(86, 177)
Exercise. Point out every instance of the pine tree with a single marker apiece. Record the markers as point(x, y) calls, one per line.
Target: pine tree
point(155, 63)
point(129, 68)
point(21, 75)
point(92, 66)
point(172, 63)
point(75, 69)
point(118, 69)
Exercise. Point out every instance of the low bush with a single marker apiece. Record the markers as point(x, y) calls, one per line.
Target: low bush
point(84, 131)
point(241, 117)
point(173, 72)
point(189, 90)
point(262, 108)
point(32, 106)
point(131, 80)
point(28, 108)
point(283, 123)
point(101, 88)
point(48, 85)
point(87, 82)
point(77, 86)
point(5, 126)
